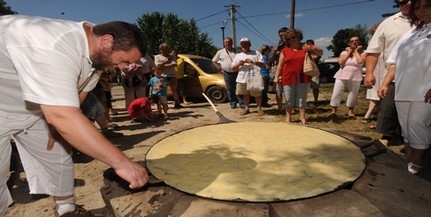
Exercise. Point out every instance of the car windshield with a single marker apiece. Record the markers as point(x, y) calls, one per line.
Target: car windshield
point(206, 65)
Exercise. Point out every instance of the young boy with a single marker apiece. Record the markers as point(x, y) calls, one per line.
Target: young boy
point(158, 88)
point(140, 108)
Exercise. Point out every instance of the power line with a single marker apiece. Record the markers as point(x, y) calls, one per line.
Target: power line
point(314, 9)
point(257, 32)
point(211, 15)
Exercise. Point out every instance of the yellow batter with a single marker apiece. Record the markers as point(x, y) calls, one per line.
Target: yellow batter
point(255, 161)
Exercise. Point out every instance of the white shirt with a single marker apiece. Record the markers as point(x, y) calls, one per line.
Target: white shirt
point(244, 70)
point(148, 63)
point(169, 72)
point(413, 70)
point(225, 58)
point(388, 34)
point(42, 61)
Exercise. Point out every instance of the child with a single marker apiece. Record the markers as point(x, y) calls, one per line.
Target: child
point(158, 88)
point(140, 108)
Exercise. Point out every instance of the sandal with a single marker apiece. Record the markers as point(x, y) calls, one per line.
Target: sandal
point(351, 117)
point(113, 126)
point(413, 168)
point(366, 120)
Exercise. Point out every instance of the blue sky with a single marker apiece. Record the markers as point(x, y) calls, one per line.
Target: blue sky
point(258, 20)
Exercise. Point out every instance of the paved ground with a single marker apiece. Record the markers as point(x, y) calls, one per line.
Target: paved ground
point(385, 188)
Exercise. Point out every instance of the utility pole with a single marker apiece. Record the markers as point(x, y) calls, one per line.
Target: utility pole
point(223, 25)
point(232, 18)
point(292, 14)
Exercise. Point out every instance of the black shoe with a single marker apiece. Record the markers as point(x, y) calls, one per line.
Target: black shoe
point(79, 211)
point(266, 105)
point(178, 106)
point(110, 133)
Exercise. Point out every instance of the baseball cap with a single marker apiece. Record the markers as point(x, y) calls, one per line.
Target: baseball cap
point(244, 39)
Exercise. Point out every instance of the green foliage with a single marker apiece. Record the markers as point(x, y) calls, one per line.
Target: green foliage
point(4, 9)
point(342, 36)
point(182, 35)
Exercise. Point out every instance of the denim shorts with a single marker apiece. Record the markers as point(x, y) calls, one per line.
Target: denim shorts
point(91, 107)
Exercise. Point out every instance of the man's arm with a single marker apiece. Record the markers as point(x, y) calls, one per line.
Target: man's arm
point(390, 76)
point(370, 65)
point(78, 131)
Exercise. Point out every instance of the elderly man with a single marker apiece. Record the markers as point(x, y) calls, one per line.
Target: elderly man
point(245, 63)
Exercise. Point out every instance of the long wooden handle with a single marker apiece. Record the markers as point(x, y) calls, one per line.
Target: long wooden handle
point(211, 103)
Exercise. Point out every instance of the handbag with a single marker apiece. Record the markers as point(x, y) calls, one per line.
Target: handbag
point(254, 80)
point(310, 67)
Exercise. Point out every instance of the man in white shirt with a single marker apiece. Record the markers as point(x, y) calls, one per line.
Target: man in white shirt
point(384, 39)
point(46, 71)
point(222, 60)
point(245, 63)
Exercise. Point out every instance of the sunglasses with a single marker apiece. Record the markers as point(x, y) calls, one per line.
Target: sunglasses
point(291, 38)
point(403, 2)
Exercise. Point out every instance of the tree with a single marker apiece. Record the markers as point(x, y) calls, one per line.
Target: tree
point(182, 35)
point(341, 38)
point(4, 9)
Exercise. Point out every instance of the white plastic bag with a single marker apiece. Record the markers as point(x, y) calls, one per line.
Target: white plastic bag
point(254, 80)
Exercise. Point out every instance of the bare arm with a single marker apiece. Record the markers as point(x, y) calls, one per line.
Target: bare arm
point(236, 67)
point(279, 68)
point(343, 57)
point(78, 131)
point(359, 55)
point(390, 75)
point(217, 66)
point(314, 51)
point(370, 65)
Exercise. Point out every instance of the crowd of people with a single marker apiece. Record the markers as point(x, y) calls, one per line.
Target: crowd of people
point(44, 124)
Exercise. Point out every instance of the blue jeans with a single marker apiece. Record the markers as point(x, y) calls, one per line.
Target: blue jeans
point(230, 80)
point(265, 90)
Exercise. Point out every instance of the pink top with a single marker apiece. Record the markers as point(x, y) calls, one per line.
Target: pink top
point(352, 70)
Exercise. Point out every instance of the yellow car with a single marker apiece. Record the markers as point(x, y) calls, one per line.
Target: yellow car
point(202, 77)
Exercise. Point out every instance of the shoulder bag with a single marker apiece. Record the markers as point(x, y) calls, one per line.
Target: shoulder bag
point(310, 67)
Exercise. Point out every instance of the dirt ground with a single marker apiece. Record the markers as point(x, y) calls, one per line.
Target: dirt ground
point(136, 142)
point(139, 137)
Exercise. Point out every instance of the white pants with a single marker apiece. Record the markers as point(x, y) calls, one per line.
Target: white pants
point(339, 87)
point(47, 172)
point(415, 122)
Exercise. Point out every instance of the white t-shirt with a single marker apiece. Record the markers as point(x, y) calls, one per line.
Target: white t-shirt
point(169, 72)
point(224, 58)
point(413, 70)
point(388, 34)
point(244, 70)
point(42, 61)
point(148, 63)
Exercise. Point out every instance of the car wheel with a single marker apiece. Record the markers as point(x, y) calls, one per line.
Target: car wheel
point(324, 79)
point(217, 94)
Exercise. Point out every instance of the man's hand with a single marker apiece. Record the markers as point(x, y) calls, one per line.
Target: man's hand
point(427, 97)
point(383, 91)
point(369, 80)
point(54, 136)
point(133, 173)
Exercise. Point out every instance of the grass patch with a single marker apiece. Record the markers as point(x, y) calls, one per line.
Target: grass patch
point(317, 116)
